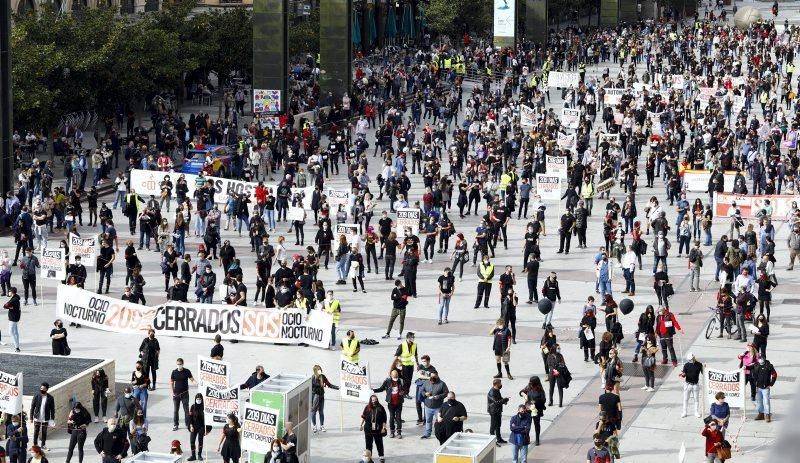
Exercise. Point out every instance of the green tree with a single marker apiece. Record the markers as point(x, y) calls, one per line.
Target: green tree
point(304, 34)
point(450, 16)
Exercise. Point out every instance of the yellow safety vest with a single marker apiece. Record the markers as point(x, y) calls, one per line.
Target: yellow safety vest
point(447, 63)
point(349, 351)
point(505, 180)
point(587, 191)
point(334, 309)
point(408, 355)
point(486, 272)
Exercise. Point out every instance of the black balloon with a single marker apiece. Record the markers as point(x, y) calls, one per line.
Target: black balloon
point(545, 305)
point(626, 306)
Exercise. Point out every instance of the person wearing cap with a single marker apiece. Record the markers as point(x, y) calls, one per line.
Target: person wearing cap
point(691, 373)
point(42, 414)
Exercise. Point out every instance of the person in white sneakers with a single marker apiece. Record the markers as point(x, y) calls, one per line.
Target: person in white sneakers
point(691, 373)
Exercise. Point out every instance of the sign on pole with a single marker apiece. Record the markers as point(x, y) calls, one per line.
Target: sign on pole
point(218, 403)
point(84, 247)
point(10, 393)
point(213, 372)
point(527, 116)
point(730, 382)
point(52, 264)
point(266, 101)
point(558, 79)
point(354, 382)
point(548, 186)
point(259, 428)
point(408, 217)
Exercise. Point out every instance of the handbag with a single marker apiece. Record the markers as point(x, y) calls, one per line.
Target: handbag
point(649, 361)
point(708, 419)
point(506, 356)
point(723, 453)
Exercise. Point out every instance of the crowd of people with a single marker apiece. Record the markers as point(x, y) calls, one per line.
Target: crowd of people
point(425, 117)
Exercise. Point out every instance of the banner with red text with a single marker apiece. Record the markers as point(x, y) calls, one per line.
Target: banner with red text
point(750, 205)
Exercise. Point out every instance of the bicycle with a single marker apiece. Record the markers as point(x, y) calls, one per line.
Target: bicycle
point(730, 326)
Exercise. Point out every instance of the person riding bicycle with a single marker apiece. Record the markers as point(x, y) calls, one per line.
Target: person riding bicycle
point(724, 309)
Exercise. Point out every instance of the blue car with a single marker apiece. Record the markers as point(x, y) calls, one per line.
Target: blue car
point(221, 156)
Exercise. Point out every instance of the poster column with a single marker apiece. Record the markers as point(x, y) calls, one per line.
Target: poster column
point(335, 47)
point(271, 51)
point(609, 12)
point(504, 23)
point(6, 111)
point(536, 25)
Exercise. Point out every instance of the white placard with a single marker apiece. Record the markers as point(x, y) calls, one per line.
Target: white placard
point(337, 197)
point(296, 213)
point(408, 217)
point(218, 403)
point(548, 186)
point(259, 427)
point(730, 382)
point(558, 79)
point(354, 382)
point(556, 165)
point(566, 142)
point(52, 263)
point(213, 372)
point(527, 116)
point(677, 81)
point(613, 96)
point(570, 118)
point(10, 393)
point(84, 247)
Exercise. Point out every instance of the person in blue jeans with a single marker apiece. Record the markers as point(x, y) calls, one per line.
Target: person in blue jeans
point(434, 391)
point(520, 434)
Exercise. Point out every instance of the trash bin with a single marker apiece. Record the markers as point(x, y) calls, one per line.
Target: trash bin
point(465, 447)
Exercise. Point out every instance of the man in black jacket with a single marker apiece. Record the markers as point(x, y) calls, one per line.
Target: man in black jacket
point(764, 375)
point(494, 407)
point(719, 254)
point(111, 442)
point(43, 411)
point(323, 239)
point(14, 316)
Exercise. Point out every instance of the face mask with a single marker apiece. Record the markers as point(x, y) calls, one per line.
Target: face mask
point(276, 449)
point(558, 350)
point(138, 368)
point(43, 391)
point(15, 423)
point(112, 427)
point(180, 366)
point(127, 395)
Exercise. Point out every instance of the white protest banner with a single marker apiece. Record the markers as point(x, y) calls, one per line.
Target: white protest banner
point(408, 217)
point(738, 81)
point(677, 81)
point(52, 262)
point(290, 326)
point(751, 205)
point(610, 138)
point(566, 142)
point(337, 197)
point(84, 247)
point(655, 119)
point(613, 96)
point(559, 79)
point(706, 93)
point(354, 382)
point(147, 183)
point(527, 116)
point(296, 213)
point(213, 372)
point(729, 382)
point(10, 393)
point(697, 180)
point(218, 403)
point(556, 165)
point(548, 186)
point(570, 118)
point(738, 104)
point(259, 427)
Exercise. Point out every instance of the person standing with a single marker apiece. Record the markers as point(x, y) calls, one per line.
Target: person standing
point(434, 390)
point(100, 394)
point(628, 270)
point(179, 384)
point(532, 271)
point(14, 316)
point(394, 386)
point(599, 453)
point(551, 291)
point(399, 304)
point(565, 232)
point(77, 421)
point(351, 347)
point(58, 338)
point(714, 438)
point(452, 416)
point(446, 289)
point(333, 307)
point(42, 414)
point(409, 358)
point(764, 376)
point(556, 369)
point(494, 407)
point(17, 434)
point(373, 423)
point(229, 447)
point(666, 324)
point(424, 370)
point(319, 382)
point(111, 442)
point(149, 351)
point(520, 434)
point(485, 277)
point(695, 265)
point(197, 427)
point(502, 347)
point(29, 265)
point(691, 373)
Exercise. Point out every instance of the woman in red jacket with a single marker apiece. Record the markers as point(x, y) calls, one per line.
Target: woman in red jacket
point(713, 441)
